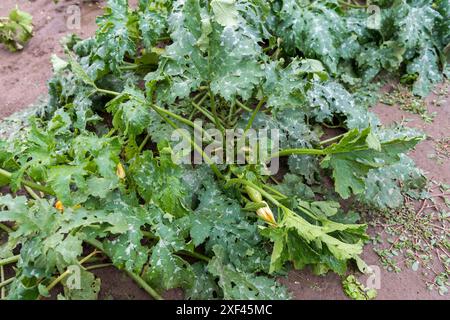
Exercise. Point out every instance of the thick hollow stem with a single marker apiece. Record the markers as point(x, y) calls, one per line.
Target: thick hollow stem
point(331, 139)
point(288, 152)
point(243, 106)
point(255, 112)
point(6, 228)
point(6, 282)
point(32, 185)
point(9, 260)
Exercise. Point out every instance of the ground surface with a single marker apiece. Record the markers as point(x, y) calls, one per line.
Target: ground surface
point(23, 78)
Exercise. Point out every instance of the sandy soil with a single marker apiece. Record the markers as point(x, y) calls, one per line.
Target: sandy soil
point(23, 78)
point(24, 75)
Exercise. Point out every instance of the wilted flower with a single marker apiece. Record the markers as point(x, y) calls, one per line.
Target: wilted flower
point(265, 212)
point(120, 171)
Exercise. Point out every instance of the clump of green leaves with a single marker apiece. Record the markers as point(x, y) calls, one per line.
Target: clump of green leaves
point(16, 29)
point(356, 290)
point(98, 162)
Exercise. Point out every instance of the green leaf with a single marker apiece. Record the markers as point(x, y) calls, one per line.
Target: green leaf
point(355, 290)
point(62, 178)
point(426, 67)
point(204, 286)
point(167, 270)
point(130, 115)
point(78, 70)
point(126, 251)
point(160, 181)
point(231, 65)
point(219, 220)
point(16, 30)
point(383, 185)
point(153, 20)
point(225, 12)
point(89, 287)
point(354, 156)
point(237, 285)
point(414, 24)
point(115, 37)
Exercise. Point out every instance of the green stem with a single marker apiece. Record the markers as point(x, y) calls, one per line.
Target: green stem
point(194, 145)
point(58, 280)
point(243, 106)
point(157, 108)
point(9, 260)
point(214, 112)
point(288, 152)
point(112, 93)
point(255, 112)
point(68, 272)
point(32, 193)
point(144, 142)
point(162, 111)
point(164, 39)
point(263, 192)
point(195, 255)
point(144, 285)
point(98, 245)
point(179, 118)
point(230, 114)
point(331, 139)
point(6, 282)
point(202, 110)
point(2, 280)
point(275, 191)
point(6, 228)
point(30, 184)
point(129, 67)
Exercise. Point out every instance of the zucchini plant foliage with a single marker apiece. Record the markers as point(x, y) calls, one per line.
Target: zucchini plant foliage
point(99, 156)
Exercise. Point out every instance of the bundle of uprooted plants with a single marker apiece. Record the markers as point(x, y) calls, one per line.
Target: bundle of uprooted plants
point(95, 175)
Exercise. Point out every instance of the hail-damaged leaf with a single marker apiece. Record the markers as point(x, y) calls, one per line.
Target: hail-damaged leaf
point(130, 114)
point(114, 38)
point(206, 53)
point(383, 185)
point(240, 237)
point(238, 285)
point(168, 270)
point(64, 179)
point(204, 286)
point(153, 20)
point(126, 251)
point(314, 29)
point(425, 70)
point(414, 24)
point(83, 285)
point(357, 153)
point(160, 181)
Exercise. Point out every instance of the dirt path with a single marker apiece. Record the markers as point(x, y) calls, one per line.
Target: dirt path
point(24, 75)
point(23, 78)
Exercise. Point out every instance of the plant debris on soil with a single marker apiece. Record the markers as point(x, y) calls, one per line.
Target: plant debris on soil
point(416, 238)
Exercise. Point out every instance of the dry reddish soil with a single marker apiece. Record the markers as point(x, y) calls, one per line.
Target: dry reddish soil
point(23, 78)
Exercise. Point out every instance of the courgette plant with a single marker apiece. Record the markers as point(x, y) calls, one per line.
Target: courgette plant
point(97, 161)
